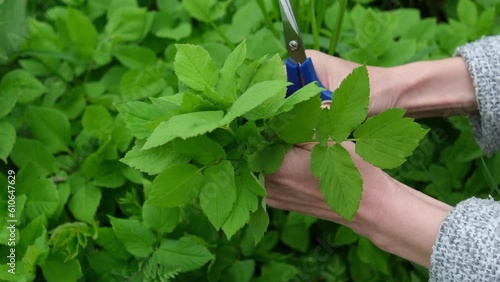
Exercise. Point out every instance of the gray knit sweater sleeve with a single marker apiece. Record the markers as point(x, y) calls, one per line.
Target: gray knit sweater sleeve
point(483, 60)
point(467, 247)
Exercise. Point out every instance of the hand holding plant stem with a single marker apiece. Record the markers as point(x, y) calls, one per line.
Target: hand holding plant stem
point(397, 218)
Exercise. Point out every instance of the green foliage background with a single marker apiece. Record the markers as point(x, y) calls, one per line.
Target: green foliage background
point(81, 212)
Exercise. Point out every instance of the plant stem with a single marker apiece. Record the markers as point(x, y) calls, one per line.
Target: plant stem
point(336, 33)
point(321, 10)
point(314, 25)
point(268, 19)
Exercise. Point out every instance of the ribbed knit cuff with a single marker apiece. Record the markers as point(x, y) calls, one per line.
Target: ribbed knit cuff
point(483, 60)
point(467, 247)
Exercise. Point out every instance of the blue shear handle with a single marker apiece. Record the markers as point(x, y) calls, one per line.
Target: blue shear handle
point(293, 75)
point(309, 75)
point(301, 75)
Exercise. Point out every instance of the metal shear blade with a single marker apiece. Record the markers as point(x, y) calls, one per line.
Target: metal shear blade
point(294, 43)
point(299, 68)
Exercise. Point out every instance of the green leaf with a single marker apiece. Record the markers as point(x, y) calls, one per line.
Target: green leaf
point(296, 237)
point(96, 8)
point(63, 191)
point(73, 103)
point(175, 186)
point(373, 256)
point(305, 93)
point(258, 224)
point(349, 105)
point(51, 127)
point(205, 10)
point(378, 38)
point(297, 126)
point(200, 148)
point(144, 83)
point(196, 101)
point(194, 66)
point(424, 30)
point(97, 122)
point(399, 53)
point(467, 12)
point(21, 86)
point(485, 22)
point(184, 126)
point(255, 96)
point(267, 160)
point(169, 22)
point(340, 180)
point(129, 23)
point(270, 69)
point(140, 116)
point(121, 135)
point(228, 73)
point(274, 269)
point(241, 271)
point(272, 44)
point(185, 254)
point(7, 139)
point(69, 237)
point(248, 180)
point(135, 57)
point(108, 240)
point(13, 29)
point(42, 200)
point(387, 139)
point(248, 73)
point(84, 203)
point(218, 192)
point(31, 230)
point(246, 202)
point(81, 31)
point(163, 220)
point(295, 234)
point(137, 239)
point(57, 269)
point(37, 252)
point(155, 160)
point(29, 150)
point(345, 236)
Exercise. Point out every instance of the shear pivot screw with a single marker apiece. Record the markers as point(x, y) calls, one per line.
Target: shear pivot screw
point(293, 45)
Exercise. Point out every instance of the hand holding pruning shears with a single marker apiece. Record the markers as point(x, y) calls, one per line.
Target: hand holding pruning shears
point(306, 66)
point(299, 68)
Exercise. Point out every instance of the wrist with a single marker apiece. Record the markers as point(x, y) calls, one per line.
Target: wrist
point(435, 88)
point(386, 86)
point(403, 222)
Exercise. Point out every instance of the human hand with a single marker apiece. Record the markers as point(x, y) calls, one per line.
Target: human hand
point(293, 187)
point(395, 217)
point(425, 89)
point(384, 83)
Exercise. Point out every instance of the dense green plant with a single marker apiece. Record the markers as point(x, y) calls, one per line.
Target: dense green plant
point(86, 83)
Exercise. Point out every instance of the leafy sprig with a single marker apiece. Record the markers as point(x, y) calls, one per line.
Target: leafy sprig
point(213, 142)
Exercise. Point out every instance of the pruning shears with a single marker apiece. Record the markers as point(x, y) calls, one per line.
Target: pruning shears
point(299, 68)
